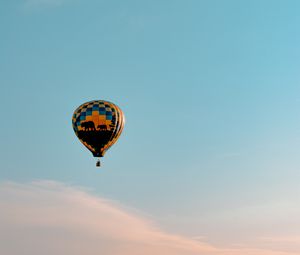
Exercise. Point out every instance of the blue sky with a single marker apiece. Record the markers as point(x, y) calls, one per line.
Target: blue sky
point(210, 91)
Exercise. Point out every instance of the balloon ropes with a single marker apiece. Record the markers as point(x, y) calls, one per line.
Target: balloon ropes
point(98, 125)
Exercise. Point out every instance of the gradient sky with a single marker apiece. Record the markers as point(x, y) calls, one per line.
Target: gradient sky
point(211, 95)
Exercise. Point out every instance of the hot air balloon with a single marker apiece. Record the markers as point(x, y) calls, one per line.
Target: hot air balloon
point(98, 125)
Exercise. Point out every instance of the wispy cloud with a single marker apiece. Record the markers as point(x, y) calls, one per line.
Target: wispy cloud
point(52, 218)
point(282, 239)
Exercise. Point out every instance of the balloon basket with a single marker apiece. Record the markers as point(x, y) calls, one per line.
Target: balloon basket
point(98, 164)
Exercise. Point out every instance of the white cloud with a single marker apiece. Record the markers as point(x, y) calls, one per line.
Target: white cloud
point(52, 218)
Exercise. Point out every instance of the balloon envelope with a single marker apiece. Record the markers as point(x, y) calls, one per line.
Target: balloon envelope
point(98, 125)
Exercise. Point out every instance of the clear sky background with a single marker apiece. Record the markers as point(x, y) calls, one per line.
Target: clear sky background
point(211, 95)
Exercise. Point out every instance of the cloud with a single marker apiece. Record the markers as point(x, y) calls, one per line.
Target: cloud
point(282, 239)
point(52, 218)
